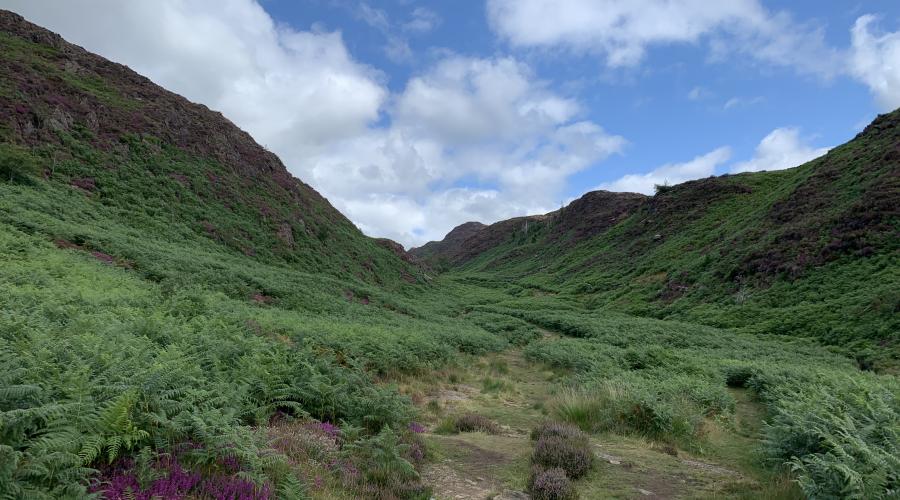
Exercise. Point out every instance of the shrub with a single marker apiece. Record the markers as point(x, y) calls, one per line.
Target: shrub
point(624, 407)
point(472, 422)
point(377, 466)
point(571, 455)
point(550, 484)
point(650, 357)
point(17, 164)
point(550, 428)
point(662, 188)
point(738, 375)
point(516, 331)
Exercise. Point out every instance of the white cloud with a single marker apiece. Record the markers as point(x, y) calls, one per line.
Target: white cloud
point(466, 100)
point(294, 91)
point(422, 20)
point(375, 18)
point(485, 121)
point(622, 31)
point(671, 174)
point(699, 93)
point(398, 50)
point(875, 60)
point(782, 148)
point(393, 164)
point(742, 102)
point(396, 47)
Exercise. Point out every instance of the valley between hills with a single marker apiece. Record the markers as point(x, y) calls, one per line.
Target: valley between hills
point(182, 318)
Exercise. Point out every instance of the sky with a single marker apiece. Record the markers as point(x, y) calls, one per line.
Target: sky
point(414, 116)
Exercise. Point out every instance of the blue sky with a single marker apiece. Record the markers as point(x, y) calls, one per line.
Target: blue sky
point(414, 116)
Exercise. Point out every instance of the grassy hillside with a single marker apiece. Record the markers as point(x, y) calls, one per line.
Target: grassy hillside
point(109, 148)
point(171, 295)
point(811, 251)
point(180, 318)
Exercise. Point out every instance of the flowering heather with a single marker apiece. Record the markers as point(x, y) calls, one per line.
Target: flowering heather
point(471, 422)
point(120, 482)
point(550, 484)
point(573, 456)
point(326, 428)
point(346, 469)
point(230, 463)
point(416, 427)
point(558, 429)
point(234, 488)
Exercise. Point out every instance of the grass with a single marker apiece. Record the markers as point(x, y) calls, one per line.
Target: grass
point(159, 305)
point(745, 252)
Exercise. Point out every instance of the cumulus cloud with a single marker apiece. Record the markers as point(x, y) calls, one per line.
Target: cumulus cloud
point(471, 100)
point(294, 91)
point(875, 60)
point(782, 148)
point(623, 31)
point(671, 174)
point(484, 121)
point(468, 138)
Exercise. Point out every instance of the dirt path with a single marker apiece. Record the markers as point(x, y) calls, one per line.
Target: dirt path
point(515, 394)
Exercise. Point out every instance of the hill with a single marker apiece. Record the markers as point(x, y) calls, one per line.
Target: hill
point(181, 318)
point(812, 250)
point(109, 147)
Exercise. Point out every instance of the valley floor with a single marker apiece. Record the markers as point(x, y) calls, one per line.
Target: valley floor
point(125, 380)
point(518, 395)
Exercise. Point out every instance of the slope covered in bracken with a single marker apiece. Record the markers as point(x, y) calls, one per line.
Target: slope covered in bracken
point(181, 318)
point(811, 251)
point(95, 137)
point(178, 315)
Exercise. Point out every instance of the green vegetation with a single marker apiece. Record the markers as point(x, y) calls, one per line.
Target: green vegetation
point(178, 315)
point(835, 426)
point(810, 251)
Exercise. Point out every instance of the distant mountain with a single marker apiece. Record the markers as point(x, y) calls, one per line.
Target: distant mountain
point(812, 250)
point(585, 217)
point(93, 135)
